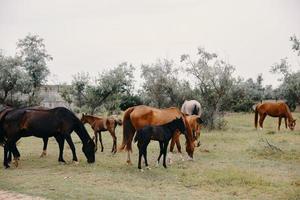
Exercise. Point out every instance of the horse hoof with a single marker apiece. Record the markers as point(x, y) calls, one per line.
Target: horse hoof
point(7, 166)
point(190, 159)
point(141, 170)
point(44, 153)
point(16, 163)
point(62, 162)
point(128, 162)
point(149, 168)
point(75, 162)
point(157, 164)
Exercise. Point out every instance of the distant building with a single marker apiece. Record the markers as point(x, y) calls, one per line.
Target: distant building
point(51, 97)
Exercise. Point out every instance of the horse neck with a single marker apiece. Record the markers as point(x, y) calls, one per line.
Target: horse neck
point(171, 126)
point(82, 133)
point(188, 135)
point(289, 114)
point(90, 119)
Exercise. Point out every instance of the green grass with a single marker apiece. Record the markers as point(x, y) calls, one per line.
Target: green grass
point(239, 165)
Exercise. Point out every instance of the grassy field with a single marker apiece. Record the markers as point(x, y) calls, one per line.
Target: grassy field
point(234, 164)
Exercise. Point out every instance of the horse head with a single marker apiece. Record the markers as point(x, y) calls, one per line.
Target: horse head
point(292, 124)
point(89, 151)
point(83, 118)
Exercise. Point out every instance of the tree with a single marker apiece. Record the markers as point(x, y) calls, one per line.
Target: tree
point(34, 58)
point(9, 74)
point(79, 84)
point(13, 80)
point(161, 86)
point(129, 100)
point(110, 85)
point(290, 87)
point(214, 77)
point(296, 44)
point(66, 93)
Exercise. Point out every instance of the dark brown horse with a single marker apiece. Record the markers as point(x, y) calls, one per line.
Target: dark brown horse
point(194, 122)
point(58, 122)
point(99, 124)
point(278, 109)
point(137, 117)
point(6, 109)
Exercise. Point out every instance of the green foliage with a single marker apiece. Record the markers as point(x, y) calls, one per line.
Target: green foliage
point(34, 58)
point(214, 81)
point(290, 87)
point(296, 44)
point(13, 80)
point(244, 94)
point(128, 100)
point(65, 92)
point(162, 87)
point(80, 83)
point(105, 91)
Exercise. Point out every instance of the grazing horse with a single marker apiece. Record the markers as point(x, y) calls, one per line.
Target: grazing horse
point(162, 134)
point(278, 109)
point(191, 107)
point(137, 117)
point(195, 123)
point(58, 122)
point(99, 124)
point(45, 139)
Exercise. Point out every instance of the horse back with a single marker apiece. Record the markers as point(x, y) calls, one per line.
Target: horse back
point(142, 116)
point(278, 109)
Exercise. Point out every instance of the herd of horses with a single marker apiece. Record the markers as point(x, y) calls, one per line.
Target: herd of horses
point(144, 122)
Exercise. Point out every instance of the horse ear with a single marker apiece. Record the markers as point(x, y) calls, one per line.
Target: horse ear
point(199, 120)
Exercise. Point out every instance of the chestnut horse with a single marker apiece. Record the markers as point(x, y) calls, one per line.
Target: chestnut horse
point(99, 124)
point(195, 123)
point(278, 109)
point(137, 117)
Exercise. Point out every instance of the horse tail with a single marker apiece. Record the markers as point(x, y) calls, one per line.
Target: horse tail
point(2, 118)
point(256, 116)
point(128, 130)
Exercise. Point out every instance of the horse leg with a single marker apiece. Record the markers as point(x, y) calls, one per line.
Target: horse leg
point(140, 155)
point(44, 153)
point(261, 119)
point(72, 147)
point(172, 145)
point(113, 135)
point(178, 145)
point(161, 147)
point(285, 122)
point(9, 157)
point(279, 123)
point(96, 140)
point(145, 154)
point(61, 141)
point(165, 153)
point(100, 140)
point(5, 156)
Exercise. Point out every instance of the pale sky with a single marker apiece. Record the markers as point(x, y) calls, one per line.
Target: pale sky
point(92, 36)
